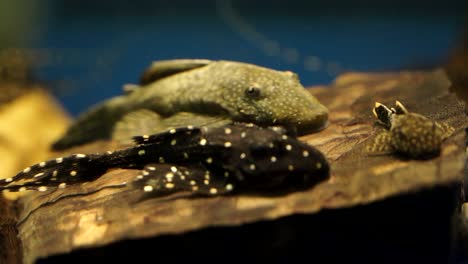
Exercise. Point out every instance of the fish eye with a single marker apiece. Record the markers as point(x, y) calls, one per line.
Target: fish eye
point(253, 92)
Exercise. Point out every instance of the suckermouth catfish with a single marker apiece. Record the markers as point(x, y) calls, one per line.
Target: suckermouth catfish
point(409, 134)
point(200, 92)
point(203, 161)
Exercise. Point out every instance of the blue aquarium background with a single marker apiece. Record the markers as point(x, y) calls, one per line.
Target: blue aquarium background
point(86, 50)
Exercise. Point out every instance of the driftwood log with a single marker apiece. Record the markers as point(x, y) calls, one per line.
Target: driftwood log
point(373, 209)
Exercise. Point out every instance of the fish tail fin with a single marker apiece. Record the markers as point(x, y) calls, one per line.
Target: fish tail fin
point(71, 169)
point(95, 124)
point(26, 187)
point(35, 172)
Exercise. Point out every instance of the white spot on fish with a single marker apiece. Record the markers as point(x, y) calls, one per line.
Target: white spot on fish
point(174, 169)
point(284, 137)
point(54, 174)
point(209, 160)
point(42, 164)
point(169, 185)
point(169, 176)
point(59, 160)
point(42, 188)
point(243, 135)
point(148, 188)
point(80, 155)
point(275, 128)
point(8, 179)
point(206, 182)
point(189, 127)
point(227, 131)
point(73, 173)
point(173, 142)
point(145, 173)
point(151, 168)
point(226, 174)
point(192, 182)
point(227, 144)
point(141, 152)
point(229, 187)
point(161, 160)
point(22, 189)
point(243, 155)
point(186, 156)
point(28, 169)
point(109, 152)
point(318, 165)
point(139, 177)
point(38, 175)
point(305, 153)
point(194, 188)
point(290, 167)
point(273, 159)
point(213, 191)
point(62, 185)
point(172, 131)
point(203, 142)
point(252, 167)
point(288, 147)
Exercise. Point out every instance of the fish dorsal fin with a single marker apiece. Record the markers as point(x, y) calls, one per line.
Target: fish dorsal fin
point(160, 69)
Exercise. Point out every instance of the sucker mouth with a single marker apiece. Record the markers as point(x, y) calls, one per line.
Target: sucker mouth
point(317, 129)
point(319, 123)
point(293, 127)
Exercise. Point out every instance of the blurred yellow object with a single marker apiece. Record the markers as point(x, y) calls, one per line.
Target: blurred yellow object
point(28, 125)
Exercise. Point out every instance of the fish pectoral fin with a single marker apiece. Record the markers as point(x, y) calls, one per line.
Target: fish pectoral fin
point(380, 145)
point(162, 179)
point(160, 69)
point(140, 122)
point(184, 119)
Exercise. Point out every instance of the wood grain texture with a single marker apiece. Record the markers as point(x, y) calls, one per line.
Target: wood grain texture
point(98, 213)
point(10, 245)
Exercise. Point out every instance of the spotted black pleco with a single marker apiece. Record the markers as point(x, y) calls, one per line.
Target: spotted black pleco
point(205, 161)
